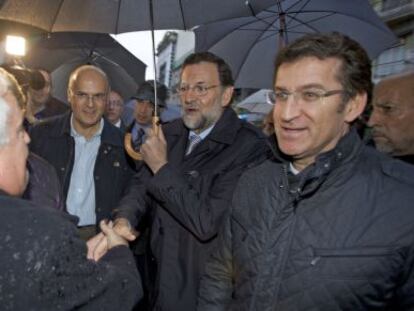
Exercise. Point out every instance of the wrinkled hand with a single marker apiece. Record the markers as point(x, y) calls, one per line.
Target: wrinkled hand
point(154, 150)
point(113, 234)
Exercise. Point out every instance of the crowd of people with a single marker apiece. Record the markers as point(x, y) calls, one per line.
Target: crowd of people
point(311, 213)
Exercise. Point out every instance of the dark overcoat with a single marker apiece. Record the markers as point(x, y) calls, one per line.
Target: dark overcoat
point(188, 199)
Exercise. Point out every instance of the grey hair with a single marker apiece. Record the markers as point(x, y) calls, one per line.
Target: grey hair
point(8, 85)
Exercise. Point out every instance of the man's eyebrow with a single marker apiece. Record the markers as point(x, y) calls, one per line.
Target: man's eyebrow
point(384, 103)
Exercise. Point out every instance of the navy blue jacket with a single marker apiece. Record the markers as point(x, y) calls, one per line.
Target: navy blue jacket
point(339, 236)
point(51, 140)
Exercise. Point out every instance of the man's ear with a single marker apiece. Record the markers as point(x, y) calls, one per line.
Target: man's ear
point(70, 95)
point(227, 96)
point(355, 107)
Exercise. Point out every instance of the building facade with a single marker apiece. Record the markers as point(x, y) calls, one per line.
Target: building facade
point(399, 16)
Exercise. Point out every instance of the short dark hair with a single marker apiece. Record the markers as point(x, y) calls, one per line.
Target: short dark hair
point(355, 72)
point(224, 71)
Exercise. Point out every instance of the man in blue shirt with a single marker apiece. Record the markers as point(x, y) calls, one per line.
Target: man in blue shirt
point(86, 150)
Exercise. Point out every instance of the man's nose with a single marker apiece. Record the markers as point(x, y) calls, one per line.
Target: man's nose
point(189, 95)
point(290, 109)
point(374, 118)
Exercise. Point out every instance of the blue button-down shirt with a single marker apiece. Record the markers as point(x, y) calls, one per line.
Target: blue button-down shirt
point(81, 194)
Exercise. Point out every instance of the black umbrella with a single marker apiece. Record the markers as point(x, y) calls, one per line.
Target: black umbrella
point(250, 44)
point(61, 53)
point(117, 16)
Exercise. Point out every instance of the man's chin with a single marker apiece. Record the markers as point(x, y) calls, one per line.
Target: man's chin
point(382, 147)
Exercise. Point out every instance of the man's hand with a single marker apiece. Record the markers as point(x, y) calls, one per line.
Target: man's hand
point(154, 150)
point(113, 234)
point(123, 228)
point(112, 238)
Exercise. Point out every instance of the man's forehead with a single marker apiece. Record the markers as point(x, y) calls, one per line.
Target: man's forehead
point(200, 73)
point(308, 71)
point(90, 79)
point(115, 96)
point(399, 91)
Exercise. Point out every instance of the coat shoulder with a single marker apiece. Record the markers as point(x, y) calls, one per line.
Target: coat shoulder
point(391, 169)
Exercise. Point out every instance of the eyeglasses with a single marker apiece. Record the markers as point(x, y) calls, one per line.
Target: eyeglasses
point(303, 96)
point(96, 98)
point(198, 89)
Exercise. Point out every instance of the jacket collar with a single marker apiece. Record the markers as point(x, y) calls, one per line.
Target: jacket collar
point(110, 134)
point(315, 174)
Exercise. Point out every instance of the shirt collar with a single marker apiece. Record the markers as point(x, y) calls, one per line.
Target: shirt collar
point(292, 169)
point(203, 134)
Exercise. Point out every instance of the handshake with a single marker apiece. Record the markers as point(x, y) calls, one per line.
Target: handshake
point(113, 234)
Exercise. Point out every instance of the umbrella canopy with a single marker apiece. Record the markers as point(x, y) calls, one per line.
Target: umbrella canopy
point(17, 29)
point(256, 103)
point(117, 16)
point(60, 53)
point(250, 44)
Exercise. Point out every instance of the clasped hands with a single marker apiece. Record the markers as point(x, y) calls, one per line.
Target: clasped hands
point(113, 234)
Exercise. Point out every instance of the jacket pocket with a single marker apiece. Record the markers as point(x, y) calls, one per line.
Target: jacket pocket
point(360, 263)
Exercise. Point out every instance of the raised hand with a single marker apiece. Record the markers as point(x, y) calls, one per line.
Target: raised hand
point(154, 150)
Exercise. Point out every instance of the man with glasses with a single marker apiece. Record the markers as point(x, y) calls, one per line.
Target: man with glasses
point(86, 151)
point(327, 223)
point(192, 165)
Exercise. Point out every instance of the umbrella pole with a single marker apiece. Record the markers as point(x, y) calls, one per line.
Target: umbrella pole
point(151, 9)
point(155, 119)
point(282, 26)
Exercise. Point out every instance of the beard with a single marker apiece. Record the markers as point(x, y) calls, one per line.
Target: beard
point(200, 120)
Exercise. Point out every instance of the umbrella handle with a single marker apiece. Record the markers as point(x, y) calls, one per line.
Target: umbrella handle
point(137, 156)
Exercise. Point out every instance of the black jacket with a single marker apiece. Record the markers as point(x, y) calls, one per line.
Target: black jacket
point(43, 264)
point(341, 238)
point(188, 200)
point(51, 140)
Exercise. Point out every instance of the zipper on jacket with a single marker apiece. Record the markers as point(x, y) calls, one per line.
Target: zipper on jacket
point(352, 252)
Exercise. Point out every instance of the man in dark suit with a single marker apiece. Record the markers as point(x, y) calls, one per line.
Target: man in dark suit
point(114, 109)
point(192, 166)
